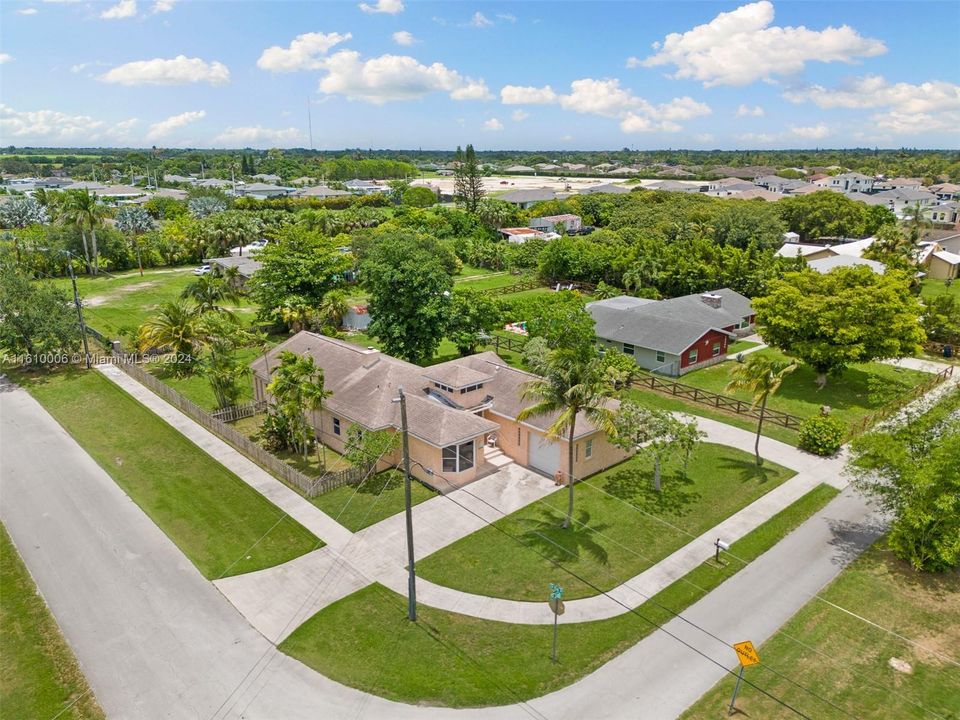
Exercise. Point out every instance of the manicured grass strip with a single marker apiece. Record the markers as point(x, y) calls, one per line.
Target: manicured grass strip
point(921, 606)
point(650, 398)
point(39, 675)
point(614, 537)
point(740, 346)
point(217, 520)
point(375, 499)
point(365, 640)
point(859, 391)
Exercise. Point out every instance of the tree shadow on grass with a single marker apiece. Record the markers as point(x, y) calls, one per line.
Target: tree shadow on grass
point(635, 486)
point(746, 471)
point(548, 537)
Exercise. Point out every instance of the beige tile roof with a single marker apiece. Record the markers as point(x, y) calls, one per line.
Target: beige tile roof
point(455, 374)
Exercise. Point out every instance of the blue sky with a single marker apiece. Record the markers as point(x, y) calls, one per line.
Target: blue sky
point(522, 75)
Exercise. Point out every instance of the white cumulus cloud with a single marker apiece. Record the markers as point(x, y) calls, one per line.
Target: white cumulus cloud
point(527, 95)
point(27, 11)
point(741, 47)
point(903, 108)
point(519, 115)
point(52, 126)
point(394, 77)
point(180, 70)
point(257, 136)
point(391, 7)
point(811, 132)
point(747, 111)
point(5, 58)
point(493, 125)
point(605, 97)
point(479, 20)
point(123, 9)
point(304, 53)
point(175, 122)
point(162, 6)
point(404, 37)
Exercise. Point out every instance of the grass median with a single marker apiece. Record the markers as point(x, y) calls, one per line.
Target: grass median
point(853, 669)
point(222, 524)
point(365, 640)
point(622, 526)
point(39, 676)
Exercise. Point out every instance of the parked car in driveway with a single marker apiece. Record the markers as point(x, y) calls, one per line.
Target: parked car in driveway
point(202, 270)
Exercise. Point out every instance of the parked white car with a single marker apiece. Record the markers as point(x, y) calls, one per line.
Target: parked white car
point(202, 270)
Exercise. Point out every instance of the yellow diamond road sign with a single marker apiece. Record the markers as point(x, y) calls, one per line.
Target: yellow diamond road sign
point(747, 653)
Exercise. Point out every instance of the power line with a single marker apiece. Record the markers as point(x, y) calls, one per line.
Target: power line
point(599, 591)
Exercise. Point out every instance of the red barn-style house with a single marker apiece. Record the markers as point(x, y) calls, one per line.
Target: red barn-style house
point(673, 336)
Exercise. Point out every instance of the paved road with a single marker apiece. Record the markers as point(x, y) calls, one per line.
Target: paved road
point(156, 640)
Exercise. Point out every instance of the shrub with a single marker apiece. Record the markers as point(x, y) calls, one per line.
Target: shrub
point(822, 435)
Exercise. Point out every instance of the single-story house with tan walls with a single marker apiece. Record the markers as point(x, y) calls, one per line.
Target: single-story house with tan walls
point(461, 414)
point(675, 336)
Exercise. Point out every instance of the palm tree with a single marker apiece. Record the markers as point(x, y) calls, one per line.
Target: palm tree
point(916, 221)
point(333, 308)
point(314, 393)
point(176, 326)
point(644, 270)
point(761, 377)
point(298, 387)
point(81, 208)
point(209, 292)
point(570, 386)
point(134, 221)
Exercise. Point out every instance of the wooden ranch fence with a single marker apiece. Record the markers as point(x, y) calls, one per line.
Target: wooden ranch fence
point(308, 486)
point(908, 397)
point(238, 412)
point(716, 400)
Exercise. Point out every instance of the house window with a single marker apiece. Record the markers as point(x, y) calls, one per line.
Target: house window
point(471, 388)
point(627, 349)
point(457, 458)
point(588, 449)
point(716, 349)
point(518, 437)
point(336, 426)
point(441, 386)
point(692, 355)
point(661, 356)
point(576, 452)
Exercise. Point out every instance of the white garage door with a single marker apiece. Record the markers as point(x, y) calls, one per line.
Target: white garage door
point(544, 454)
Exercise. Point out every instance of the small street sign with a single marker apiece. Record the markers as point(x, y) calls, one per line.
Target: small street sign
point(556, 605)
point(747, 653)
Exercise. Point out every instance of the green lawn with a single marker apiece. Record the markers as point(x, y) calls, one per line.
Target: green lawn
point(854, 672)
point(195, 386)
point(222, 524)
point(116, 306)
point(614, 537)
point(489, 282)
point(861, 389)
point(375, 499)
point(39, 676)
point(931, 288)
point(365, 640)
point(472, 271)
point(740, 346)
point(650, 398)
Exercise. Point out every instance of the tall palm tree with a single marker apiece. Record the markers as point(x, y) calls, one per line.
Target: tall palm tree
point(333, 308)
point(176, 326)
point(314, 393)
point(298, 387)
point(209, 292)
point(761, 377)
point(570, 385)
point(134, 221)
point(82, 209)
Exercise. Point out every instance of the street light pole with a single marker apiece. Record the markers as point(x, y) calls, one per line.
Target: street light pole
point(412, 578)
point(76, 302)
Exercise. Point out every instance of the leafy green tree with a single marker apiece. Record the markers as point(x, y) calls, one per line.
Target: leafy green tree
point(620, 368)
point(333, 308)
point(36, 318)
point(761, 376)
point(562, 320)
point(654, 432)
point(410, 293)
point(300, 266)
point(849, 315)
point(824, 214)
point(912, 472)
point(496, 214)
point(570, 385)
point(364, 448)
point(471, 314)
point(941, 318)
point(419, 197)
point(468, 180)
point(751, 222)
